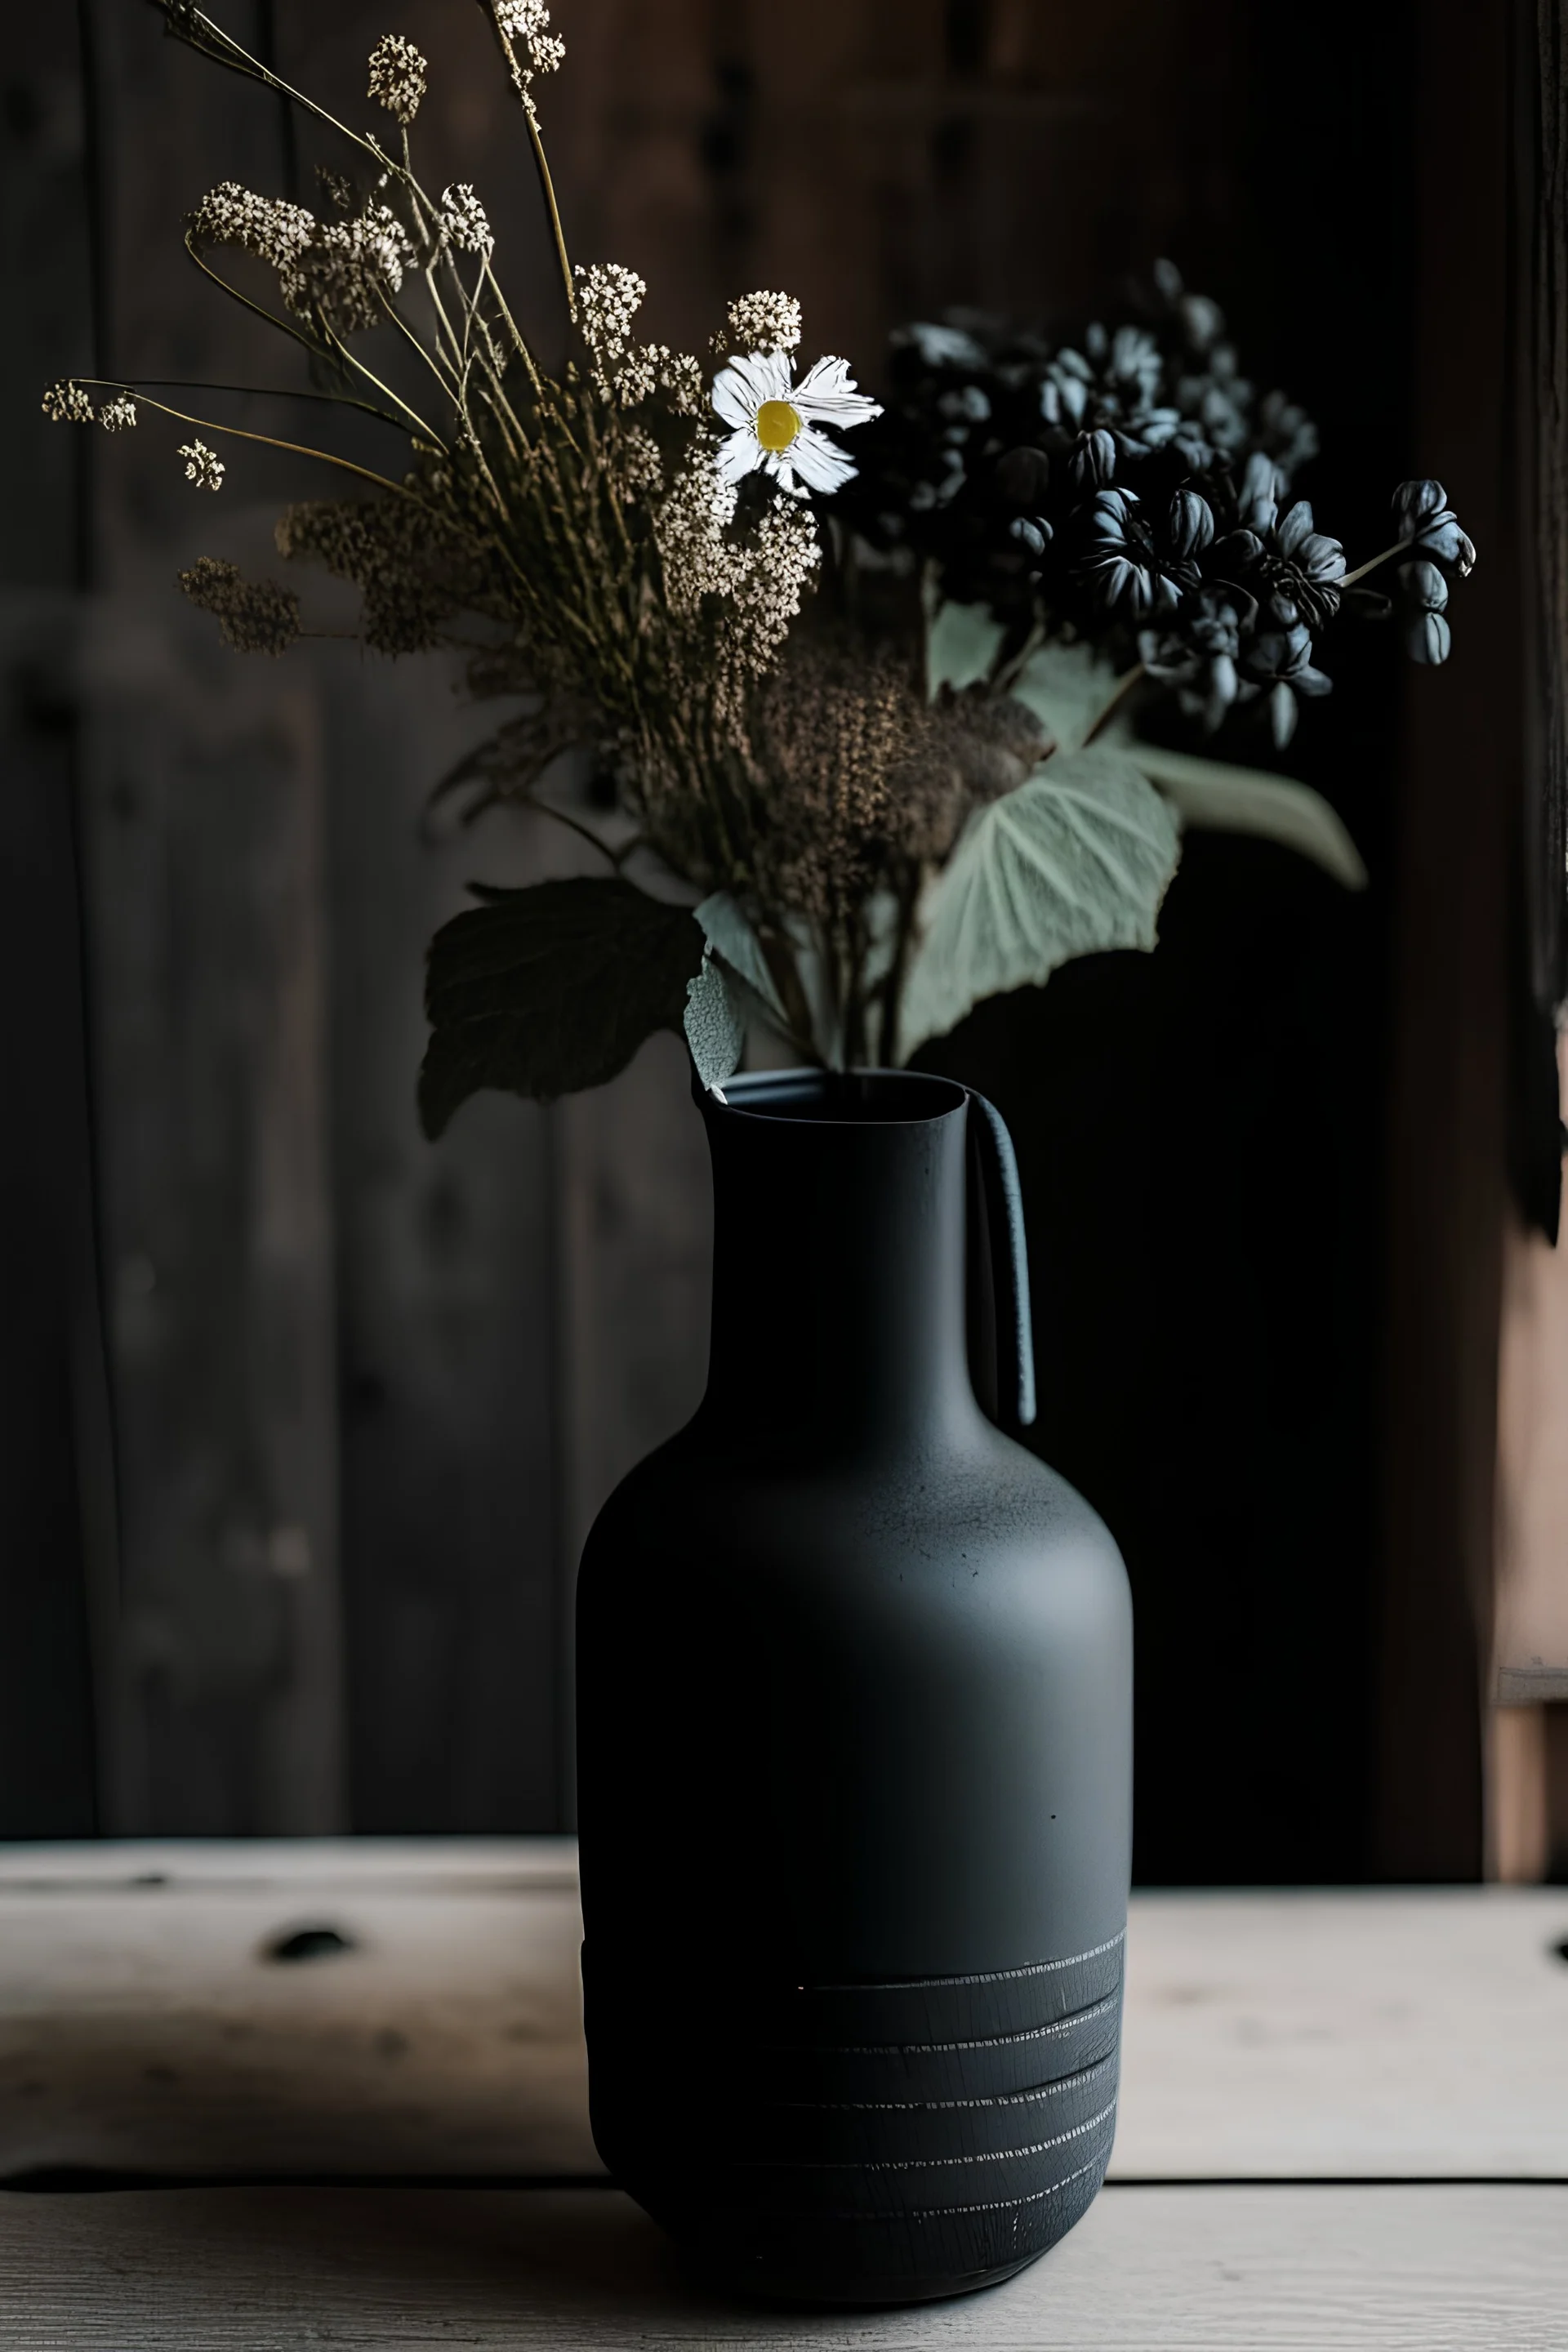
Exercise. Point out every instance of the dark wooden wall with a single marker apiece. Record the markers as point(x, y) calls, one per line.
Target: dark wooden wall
point(367, 1393)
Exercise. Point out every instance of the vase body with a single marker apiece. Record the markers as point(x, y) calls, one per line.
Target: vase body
point(855, 1751)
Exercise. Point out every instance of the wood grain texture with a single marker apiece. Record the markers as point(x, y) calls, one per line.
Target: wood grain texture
point(1268, 2037)
point(1363, 2034)
point(145, 2025)
point(205, 849)
point(1427, 2270)
point(50, 1344)
point(1448, 1105)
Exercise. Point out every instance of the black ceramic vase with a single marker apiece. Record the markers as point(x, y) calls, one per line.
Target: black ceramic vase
point(854, 1739)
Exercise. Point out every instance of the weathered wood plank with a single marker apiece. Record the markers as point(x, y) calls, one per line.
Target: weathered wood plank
point(51, 1346)
point(1424, 2270)
point(204, 826)
point(142, 2027)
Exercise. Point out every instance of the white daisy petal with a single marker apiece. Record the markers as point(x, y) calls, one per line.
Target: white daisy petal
point(732, 397)
point(829, 376)
point(821, 466)
point(762, 376)
point(827, 395)
point(738, 456)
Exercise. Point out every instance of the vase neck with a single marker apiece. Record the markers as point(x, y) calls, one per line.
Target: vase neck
point(839, 1262)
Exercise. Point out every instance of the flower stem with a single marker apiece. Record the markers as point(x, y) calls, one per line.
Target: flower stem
point(1362, 569)
point(1124, 685)
point(547, 186)
point(250, 392)
point(294, 448)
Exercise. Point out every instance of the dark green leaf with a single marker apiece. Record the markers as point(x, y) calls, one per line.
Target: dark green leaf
point(545, 990)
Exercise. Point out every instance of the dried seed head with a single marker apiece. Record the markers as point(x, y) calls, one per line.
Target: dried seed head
point(397, 74)
point(254, 616)
point(527, 23)
point(759, 323)
point(67, 403)
point(462, 221)
point(203, 466)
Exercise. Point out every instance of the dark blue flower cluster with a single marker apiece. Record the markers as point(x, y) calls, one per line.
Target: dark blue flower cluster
point(1135, 491)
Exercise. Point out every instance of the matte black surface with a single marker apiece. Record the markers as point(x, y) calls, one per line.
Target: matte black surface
point(854, 2035)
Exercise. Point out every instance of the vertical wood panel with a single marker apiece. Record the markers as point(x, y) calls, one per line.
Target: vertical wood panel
point(205, 821)
point(50, 1348)
point(1460, 790)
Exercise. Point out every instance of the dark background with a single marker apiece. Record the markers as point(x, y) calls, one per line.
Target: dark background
point(302, 1420)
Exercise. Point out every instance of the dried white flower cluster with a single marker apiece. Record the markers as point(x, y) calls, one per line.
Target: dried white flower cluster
point(767, 591)
point(638, 465)
point(609, 297)
point(346, 272)
point(264, 226)
point(340, 273)
point(412, 571)
point(254, 616)
point(462, 220)
point(528, 22)
point(117, 414)
point(67, 403)
point(649, 368)
point(203, 466)
point(761, 323)
point(397, 74)
point(758, 579)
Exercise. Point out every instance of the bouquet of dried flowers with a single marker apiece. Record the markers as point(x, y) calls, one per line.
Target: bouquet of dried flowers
point(854, 744)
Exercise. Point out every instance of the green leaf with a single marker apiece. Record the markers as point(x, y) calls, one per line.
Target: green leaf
point(545, 991)
point(1066, 688)
point(962, 642)
point(1249, 799)
point(1075, 861)
point(715, 1022)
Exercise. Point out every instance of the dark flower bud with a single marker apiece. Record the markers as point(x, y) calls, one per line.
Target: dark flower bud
point(1224, 686)
point(1093, 461)
point(1414, 503)
point(942, 346)
point(1239, 551)
point(1023, 476)
point(1169, 280)
point(1425, 586)
point(1203, 320)
point(1191, 524)
point(1063, 398)
point(967, 402)
point(1262, 488)
point(1441, 537)
point(1428, 639)
point(1032, 531)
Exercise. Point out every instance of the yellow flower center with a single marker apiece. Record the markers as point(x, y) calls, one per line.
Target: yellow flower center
point(777, 424)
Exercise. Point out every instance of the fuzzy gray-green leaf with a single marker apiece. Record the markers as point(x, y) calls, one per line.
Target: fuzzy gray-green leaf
point(545, 990)
point(715, 1022)
point(1075, 861)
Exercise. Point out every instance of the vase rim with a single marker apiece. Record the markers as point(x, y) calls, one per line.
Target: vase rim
point(805, 1097)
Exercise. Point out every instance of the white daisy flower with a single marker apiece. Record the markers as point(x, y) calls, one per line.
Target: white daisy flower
point(774, 420)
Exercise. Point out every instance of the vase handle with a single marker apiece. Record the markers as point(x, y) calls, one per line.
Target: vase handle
point(1003, 1204)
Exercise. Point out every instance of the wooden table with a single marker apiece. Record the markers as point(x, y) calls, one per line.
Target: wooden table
point(1344, 2121)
